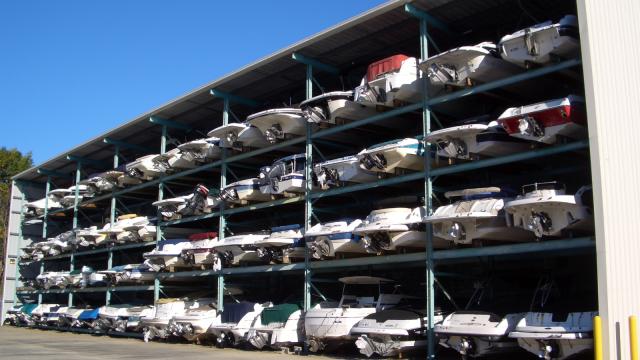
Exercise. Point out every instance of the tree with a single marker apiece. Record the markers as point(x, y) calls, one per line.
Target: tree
point(12, 162)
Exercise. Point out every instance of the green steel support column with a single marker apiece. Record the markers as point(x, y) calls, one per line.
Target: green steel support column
point(220, 292)
point(46, 207)
point(41, 271)
point(428, 192)
point(156, 289)
point(72, 260)
point(76, 201)
point(163, 149)
point(308, 209)
point(107, 299)
point(222, 222)
point(116, 160)
point(20, 245)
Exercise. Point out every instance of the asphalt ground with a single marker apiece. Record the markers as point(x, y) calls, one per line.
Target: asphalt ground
point(25, 343)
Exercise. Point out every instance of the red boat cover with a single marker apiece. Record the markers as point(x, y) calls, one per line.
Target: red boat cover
point(203, 236)
point(385, 65)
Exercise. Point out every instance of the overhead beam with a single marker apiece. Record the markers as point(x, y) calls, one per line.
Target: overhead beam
point(53, 173)
point(169, 123)
point(84, 160)
point(125, 145)
point(432, 21)
point(315, 64)
point(233, 98)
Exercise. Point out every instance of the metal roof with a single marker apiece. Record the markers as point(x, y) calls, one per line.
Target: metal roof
point(278, 80)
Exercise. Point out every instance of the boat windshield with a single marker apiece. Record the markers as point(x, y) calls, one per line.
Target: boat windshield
point(363, 295)
point(551, 185)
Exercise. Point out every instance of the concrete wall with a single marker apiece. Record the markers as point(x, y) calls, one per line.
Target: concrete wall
point(610, 34)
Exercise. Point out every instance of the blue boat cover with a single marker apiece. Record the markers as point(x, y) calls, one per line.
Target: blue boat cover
point(88, 315)
point(232, 313)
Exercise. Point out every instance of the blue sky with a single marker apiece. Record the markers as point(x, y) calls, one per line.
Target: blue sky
point(70, 70)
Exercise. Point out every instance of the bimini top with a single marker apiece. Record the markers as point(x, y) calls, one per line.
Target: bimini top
point(364, 280)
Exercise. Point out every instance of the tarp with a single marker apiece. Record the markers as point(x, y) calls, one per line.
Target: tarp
point(278, 313)
point(232, 313)
point(89, 315)
point(28, 308)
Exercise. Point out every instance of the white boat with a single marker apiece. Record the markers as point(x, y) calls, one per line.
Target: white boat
point(202, 249)
point(37, 316)
point(70, 198)
point(542, 43)
point(69, 316)
point(57, 279)
point(201, 150)
point(196, 320)
point(235, 322)
point(130, 319)
point(333, 239)
point(36, 208)
point(393, 156)
point(331, 323)
point(390, 82)
point(23, 315)
point(547, 121)
point(475, 215)
point(52, 316)
point(233, 250)
point(393, 229)
point(341, 171)
point(157, 325)
point(175, 160)
point(107, 316)
point(11, 317)
point(279, 326)
point(477, 333)
point(286, 175)
point(90, 277)
point(167, 253)
point(336, 107)
point(101, 182)
point(558, 338)
point(466, 65)
point(243, 192)
point(147, 167)
point(129, 274)
point(282, 245)
point(239, 136)
point(90, 237)
point(279, 124)
point(199, 202)
point(547, 210)
point(475, 140)
point(125, 229)
point(393, 332)
point(86, 318)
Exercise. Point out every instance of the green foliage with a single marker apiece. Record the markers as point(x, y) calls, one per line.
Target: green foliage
point(12, 162)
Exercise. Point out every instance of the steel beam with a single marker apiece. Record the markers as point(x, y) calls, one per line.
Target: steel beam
point(84, 160)
point(125, 145)
point(428, 186)
point(233, 98)
point(426, 18)
point(315, 63)
point(53, 173)
point(76, 200)
point(169, 123)
point(46, 207)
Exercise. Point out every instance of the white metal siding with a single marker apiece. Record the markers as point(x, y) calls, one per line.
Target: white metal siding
point(610, 34)
point(11, 251)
